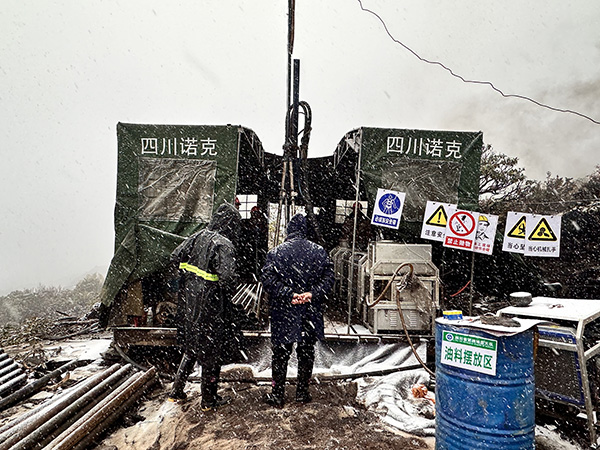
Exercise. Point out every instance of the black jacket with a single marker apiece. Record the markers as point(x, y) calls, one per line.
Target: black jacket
point(296, 266)
point(207, 282)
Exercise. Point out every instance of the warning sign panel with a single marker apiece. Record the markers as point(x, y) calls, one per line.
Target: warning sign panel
point(542, 232)
point(515, 232)
point(388, 208)
point(461, 230)
point(543, 235)
point(532, 234)
point(486, 233)
point(439, 218)
point(435, 220)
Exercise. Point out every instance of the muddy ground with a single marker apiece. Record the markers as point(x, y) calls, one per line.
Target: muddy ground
point(333, 420)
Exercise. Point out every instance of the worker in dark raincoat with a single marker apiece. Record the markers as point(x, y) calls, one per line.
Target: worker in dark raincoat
point(297, 276)
point(205, 321)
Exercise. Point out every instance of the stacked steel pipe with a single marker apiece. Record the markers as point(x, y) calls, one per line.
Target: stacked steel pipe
point(80, 414)
point(247, 300)
point(12, 375)
point(35, 385)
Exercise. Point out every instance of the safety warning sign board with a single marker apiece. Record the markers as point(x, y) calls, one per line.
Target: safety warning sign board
point(543, 235)
point(532, 234)
point(435, 220)
point(515, 232)
point(388, 208)
point(461, 230)
point(486, 233)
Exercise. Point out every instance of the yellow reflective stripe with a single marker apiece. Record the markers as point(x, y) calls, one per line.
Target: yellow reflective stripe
point(201, 273)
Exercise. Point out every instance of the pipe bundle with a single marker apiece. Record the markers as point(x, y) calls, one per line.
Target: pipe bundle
point(81, 413)
point(12, 375)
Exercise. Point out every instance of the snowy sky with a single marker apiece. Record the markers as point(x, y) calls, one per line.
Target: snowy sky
point(70, 70)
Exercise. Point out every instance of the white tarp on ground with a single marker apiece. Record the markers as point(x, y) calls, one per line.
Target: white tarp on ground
point(392, 397)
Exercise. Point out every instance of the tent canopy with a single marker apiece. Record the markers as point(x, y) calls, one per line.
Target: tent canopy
point(441, 166)
point(170, 179)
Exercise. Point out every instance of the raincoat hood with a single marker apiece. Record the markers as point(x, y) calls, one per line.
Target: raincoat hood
point(226, 221)
point(297, 227)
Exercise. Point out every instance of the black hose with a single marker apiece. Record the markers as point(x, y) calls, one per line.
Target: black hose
point(399, 306)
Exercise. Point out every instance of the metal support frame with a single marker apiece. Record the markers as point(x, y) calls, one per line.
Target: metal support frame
point(578, 314)
point(167, 337)
point(424, 270)
point(353, 248)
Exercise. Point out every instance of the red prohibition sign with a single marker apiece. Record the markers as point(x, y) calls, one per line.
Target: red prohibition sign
point(462, 223)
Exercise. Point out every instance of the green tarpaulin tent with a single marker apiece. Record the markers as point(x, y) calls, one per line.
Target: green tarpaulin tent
point(170, 179)
point(441, 166)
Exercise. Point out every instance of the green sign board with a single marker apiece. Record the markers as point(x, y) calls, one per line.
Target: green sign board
point(170, 178)
point(469, 352)
point(442, 166)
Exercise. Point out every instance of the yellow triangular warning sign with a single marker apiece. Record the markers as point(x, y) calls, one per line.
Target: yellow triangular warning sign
point(542, 232)
point(439, 218)
point(518, 231)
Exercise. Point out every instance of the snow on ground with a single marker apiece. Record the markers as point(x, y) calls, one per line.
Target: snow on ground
point(389, 396)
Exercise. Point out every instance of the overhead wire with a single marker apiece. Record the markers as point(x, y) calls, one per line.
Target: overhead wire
point(482, 82)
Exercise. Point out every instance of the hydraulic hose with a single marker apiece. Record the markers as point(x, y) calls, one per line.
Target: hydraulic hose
point(408, 275)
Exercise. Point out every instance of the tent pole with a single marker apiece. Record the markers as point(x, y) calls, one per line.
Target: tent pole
point(351, 268)
point(471, 284)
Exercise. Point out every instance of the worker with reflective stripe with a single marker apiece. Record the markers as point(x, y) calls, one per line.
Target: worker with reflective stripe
point(207, 283)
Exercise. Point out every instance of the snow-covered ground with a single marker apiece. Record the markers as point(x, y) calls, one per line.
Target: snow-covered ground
point(389, 395)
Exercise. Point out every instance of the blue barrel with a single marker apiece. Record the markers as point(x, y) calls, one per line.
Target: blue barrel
point(478, 409)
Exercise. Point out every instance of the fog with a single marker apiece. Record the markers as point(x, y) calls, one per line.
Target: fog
point(71, 70)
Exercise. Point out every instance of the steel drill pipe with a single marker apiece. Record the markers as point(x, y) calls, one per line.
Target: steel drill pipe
point(6, 362)
point(89, 438)
point(80, 422)
point(4, 356)
point(45, 421)
point(36, 385)
point(39, 414)
point(9, 369)
point(133, 387)
point(42, 440)
point(11, 385)
point(51, 424)
point(65, 399)
point(9, 376)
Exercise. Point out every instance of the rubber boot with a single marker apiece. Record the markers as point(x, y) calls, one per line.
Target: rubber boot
point(277, 396)
point(210, 384)
point(281, 355)
point(183, 372)
point(306, 359)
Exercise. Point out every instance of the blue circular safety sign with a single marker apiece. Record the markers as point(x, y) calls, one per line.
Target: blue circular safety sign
point(389, 204)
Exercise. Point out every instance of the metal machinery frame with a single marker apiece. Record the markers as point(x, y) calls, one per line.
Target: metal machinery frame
point(377, 268)
point(567, 348)
point(363, 276)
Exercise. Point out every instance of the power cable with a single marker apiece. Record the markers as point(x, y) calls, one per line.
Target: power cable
point(460, 77)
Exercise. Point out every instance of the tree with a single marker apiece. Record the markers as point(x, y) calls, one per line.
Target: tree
point(554, 195)
point(589, 192)
point(501, 180)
